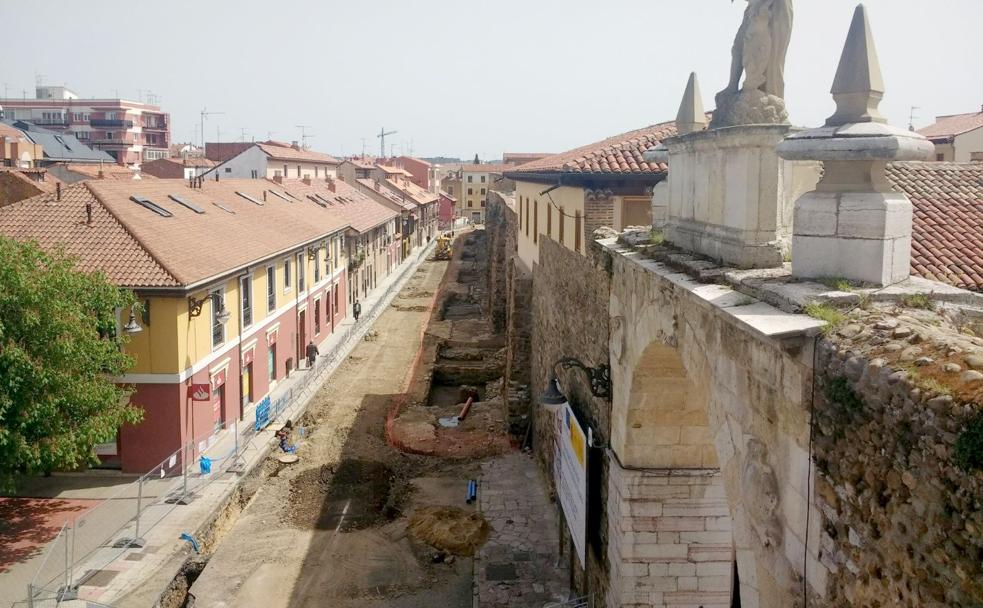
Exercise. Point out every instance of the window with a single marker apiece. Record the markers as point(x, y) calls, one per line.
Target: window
point(520, 213)
point(535, 222)
point(317, 264)
point(218, 329)
point(298, 171)
point(317, 316)
point(576, 231)
point(559, 218)
point(470, 190)
point(286, 173)
point(246, 294)
point(470, 178)
point(549, 220)
point(335, 297)
point(316, 168)
point(482, 191)
point(109, 134)
point(301, 273)
point(482, 202)
point(270, 288)
point(482, 179)
point(450, 190)
point(470, 203)
point(271, 362)
point(286, 275)
point(255, 174)
point(527, 217)
point(229, 170)
point(940, 157)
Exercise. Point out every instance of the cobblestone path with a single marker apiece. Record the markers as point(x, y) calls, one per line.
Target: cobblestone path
point(517, 567)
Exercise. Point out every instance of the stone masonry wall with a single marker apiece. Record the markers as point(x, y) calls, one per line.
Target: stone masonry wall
point(509, 305)
point(570, 319)
point(902, 522)
point(599, 211)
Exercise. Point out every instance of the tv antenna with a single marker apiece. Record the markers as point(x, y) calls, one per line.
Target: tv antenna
point(382, 141)
point(205, 114)
point(304, 135)
point(912, 117)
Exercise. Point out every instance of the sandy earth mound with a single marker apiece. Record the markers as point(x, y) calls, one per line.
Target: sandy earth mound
point(450, 529)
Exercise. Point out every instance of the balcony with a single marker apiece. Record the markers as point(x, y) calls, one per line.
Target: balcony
point(158, 126)
point(111, 142)
point(113, 123)
point(53, 122)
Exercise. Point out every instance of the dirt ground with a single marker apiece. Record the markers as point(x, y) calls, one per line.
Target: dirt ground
point(331, 529)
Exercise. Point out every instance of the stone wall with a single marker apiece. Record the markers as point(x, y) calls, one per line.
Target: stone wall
point(570, 319)
point(902, 524)
point(598, 211)
point(501, 226)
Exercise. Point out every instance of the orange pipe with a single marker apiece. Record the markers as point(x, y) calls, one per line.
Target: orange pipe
point(465, 409)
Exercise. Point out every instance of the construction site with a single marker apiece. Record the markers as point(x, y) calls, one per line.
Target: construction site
point(400, 485)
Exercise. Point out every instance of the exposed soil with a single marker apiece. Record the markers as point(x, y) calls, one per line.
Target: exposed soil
point(357, 495)
point(449, 529)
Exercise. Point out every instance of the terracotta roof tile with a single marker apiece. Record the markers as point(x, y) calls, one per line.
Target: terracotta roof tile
point(950, 126)
point(398, 199)
point(621, 154)
point(358, 209)
point(139, 248)
point(947, 238)
point(288, 153)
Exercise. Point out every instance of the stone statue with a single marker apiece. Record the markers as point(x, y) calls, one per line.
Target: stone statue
point(759, 54)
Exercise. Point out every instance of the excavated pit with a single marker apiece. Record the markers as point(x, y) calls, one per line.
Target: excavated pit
point(353, 495)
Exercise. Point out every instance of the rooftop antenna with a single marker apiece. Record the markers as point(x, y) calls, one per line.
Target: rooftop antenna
point(38, 79)
point(152, 99)
point(911, 117)
point(392, 152)
point(269, 135)
point(382, 140)
point(243, 131)
point(363, 139)
point(204, 114)
point(7, 86)
point(303, 135)
point(140, 95)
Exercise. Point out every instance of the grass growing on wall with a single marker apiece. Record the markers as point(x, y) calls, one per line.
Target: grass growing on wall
point(825, 312)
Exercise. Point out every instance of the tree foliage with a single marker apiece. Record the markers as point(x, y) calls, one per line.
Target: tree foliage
point(59, 349)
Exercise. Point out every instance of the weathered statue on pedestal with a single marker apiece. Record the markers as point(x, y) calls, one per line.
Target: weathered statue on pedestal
point(759, 54)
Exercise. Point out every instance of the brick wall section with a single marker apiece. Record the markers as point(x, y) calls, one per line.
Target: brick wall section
point(599, 212)
point(674, 544)
point(570, 319)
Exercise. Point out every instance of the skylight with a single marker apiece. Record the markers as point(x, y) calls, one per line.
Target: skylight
point(250, 199)
point(313, 198)
point(280, 195)
point(186, 204)
point(149, 204)
point(224, 208)
point(324, 198)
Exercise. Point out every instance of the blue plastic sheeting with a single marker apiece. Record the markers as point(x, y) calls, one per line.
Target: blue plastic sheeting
point(206, 465)
point(263, 414)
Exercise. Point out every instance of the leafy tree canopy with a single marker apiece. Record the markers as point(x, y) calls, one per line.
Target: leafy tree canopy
point(59, 349)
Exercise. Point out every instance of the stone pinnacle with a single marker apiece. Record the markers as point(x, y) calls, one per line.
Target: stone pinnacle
point(858, 86)
point(691, 116)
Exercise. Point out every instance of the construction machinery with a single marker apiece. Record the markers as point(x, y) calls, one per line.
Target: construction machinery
point(443, 250)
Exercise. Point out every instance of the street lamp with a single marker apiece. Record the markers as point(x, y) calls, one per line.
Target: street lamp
point(599, 377)
point(194, 307)
point(132, 327)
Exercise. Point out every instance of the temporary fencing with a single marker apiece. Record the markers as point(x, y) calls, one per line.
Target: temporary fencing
point(92, 541)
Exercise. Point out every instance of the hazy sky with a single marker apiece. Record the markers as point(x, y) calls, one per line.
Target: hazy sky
point(459, 77)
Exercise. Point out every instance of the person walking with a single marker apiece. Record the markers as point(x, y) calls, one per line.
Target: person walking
point(312, 353)
point(357, 310)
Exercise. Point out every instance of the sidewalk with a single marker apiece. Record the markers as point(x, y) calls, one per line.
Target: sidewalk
point(105, 573)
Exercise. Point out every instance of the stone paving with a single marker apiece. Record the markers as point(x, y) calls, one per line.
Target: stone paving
point(517, 567)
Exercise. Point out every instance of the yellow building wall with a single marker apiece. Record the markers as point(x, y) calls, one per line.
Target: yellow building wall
point(527, 194)
point(173, 340)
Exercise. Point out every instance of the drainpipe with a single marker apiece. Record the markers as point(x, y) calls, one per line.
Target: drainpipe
point(249, 273)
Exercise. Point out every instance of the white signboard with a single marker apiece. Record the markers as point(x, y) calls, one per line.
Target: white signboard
point(570, 476)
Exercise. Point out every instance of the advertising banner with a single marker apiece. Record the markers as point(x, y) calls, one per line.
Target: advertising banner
point(199, 392)
point(570, 476)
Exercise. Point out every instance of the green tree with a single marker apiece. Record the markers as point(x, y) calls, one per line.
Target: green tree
point(59, 349)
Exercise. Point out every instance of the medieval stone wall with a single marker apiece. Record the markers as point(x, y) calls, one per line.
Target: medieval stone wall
point(902, 523)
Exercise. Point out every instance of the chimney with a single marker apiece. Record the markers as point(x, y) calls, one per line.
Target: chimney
point(264, 196)
point(216, 176)
point(307, 180)
point(295, 145)
point(278, 178)
point(331, 185)
point(377, 185)
point(88, 213)
point(58, 191)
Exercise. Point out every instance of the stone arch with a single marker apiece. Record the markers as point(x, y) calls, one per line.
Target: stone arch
point(667, 422)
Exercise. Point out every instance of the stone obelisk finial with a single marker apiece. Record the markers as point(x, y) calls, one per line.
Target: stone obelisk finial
point(854, 225)
point(691, 116)
point(858, 86)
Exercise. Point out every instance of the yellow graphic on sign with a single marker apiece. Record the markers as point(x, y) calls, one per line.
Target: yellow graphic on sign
point(578, 442)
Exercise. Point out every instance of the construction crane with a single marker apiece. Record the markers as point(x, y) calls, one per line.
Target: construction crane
point(204, 114)
point(303, 135)
point(382, 141)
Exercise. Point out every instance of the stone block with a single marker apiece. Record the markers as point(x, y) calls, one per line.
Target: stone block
point(687, 583)
point(710, 553)
point(873, 215)
point(682, 569)
point(670, 552)
point(714, 583)
point(714, 569)
point(880, 262)
point(815, 214)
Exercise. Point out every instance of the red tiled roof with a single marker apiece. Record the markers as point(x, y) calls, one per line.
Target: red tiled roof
point(372, 185)
point(223, 151)
point(136, 247)
point(621, 154)
point(283, 152)
point(418, 195)
point(103, 245)
point(949, 126)
point(947, 238)
point(358, 209)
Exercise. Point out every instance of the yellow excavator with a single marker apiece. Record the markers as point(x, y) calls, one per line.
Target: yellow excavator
point(443, 250)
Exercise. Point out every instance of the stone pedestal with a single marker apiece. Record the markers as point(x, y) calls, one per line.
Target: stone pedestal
point(730, 195)
point(859, 236)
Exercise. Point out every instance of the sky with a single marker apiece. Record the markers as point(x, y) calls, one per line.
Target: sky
point(466, 77)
